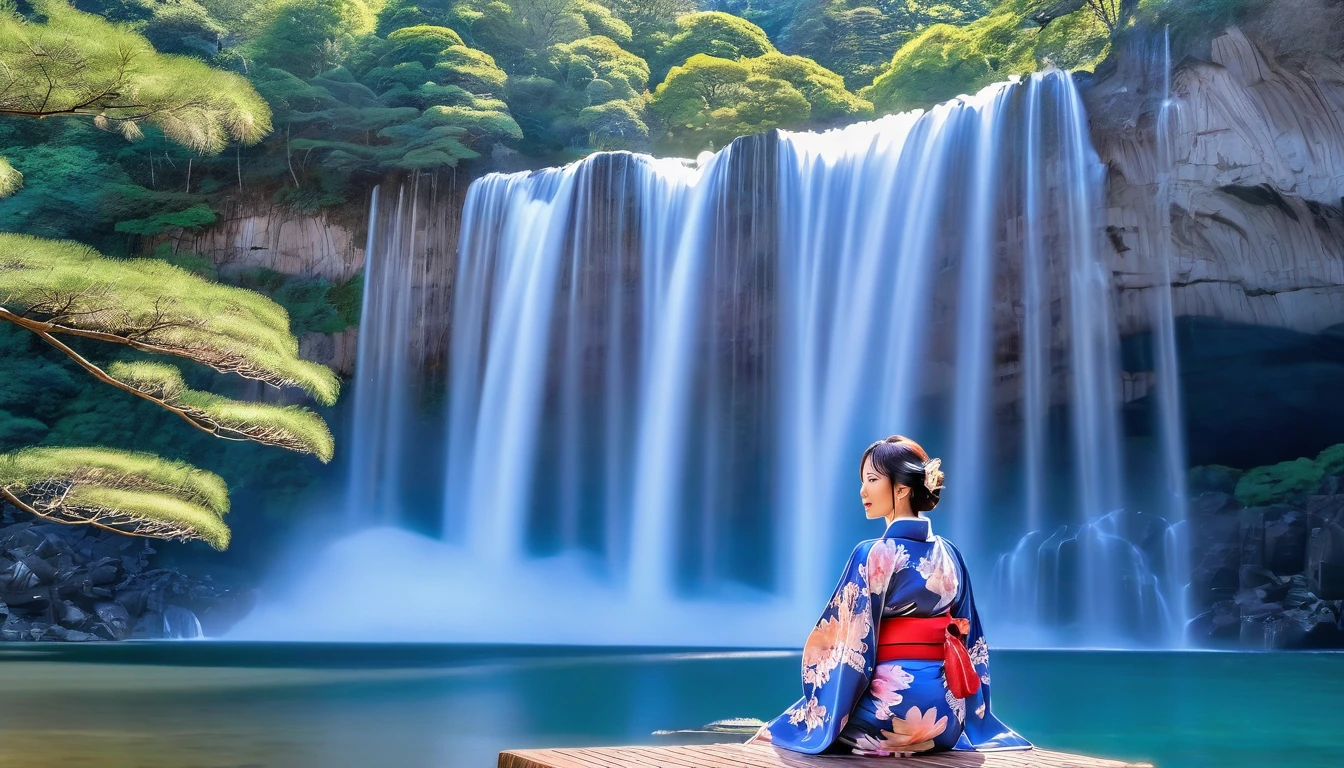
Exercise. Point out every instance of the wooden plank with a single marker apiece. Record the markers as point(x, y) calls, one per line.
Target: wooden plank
point(765, 756)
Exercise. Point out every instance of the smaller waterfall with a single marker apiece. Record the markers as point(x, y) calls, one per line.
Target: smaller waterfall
point(1166, 365)
point(407, 261)
point(181, 624)
point(1051, 606)
point(1130, 581)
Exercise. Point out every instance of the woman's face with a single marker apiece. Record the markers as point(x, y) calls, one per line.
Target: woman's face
point(876, 491)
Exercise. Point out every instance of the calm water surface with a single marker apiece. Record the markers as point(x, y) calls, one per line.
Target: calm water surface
point(225, 704)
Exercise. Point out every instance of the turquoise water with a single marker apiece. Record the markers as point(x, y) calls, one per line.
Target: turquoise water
point(223, 704)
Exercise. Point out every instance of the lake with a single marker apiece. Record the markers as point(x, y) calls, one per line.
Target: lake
point(217, 704)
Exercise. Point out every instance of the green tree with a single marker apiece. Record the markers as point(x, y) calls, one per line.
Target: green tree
point(652, 22)
point(832, 104)
point(77, 64)
point(709, 101)
point(60, 290)
point(305, 37)
point(419, 99)
point(944, 61)
point(589, 95)
point(716, 34)
point(520, 33)
point(67, 63)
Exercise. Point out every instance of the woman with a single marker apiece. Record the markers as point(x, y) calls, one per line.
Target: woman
point(898, 664)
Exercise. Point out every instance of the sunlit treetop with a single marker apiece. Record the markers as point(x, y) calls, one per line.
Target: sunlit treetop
point(721, 35)
point(61, 62)
point(153, 306)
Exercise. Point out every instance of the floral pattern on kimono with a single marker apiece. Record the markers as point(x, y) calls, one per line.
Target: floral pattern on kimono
point(851, 703)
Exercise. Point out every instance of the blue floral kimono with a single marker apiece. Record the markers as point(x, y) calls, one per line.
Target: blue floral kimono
point(853, 704)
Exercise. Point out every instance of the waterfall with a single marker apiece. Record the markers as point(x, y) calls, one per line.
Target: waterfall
point(181, 624)
point(1176, 547)
point(660, 375)
point(400, 315)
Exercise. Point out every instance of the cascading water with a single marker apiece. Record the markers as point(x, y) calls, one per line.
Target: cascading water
point(661, 375)
point(181, 624)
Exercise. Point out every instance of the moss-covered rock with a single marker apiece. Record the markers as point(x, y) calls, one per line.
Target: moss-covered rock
point(1287, 481)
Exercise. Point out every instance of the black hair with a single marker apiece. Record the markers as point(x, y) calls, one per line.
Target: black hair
point(902, 460)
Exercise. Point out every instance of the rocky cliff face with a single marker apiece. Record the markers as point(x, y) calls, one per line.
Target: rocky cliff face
point(326, 244)
point(1253, 207)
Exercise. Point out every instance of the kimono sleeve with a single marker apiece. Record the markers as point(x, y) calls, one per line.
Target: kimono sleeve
point(982, 731)
point(838, 660)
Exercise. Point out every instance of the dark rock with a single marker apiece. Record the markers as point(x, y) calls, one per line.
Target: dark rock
point(1327, 505)
point(1325, 561)
point(133, 600)
point(27, 601)
point(115, 617)
point(17, 576)
point(44, 571)
point(70, 615)
point(1286, 542)
point(14, 628)
point(106, 631)
point(68, 583)
point(105, 572)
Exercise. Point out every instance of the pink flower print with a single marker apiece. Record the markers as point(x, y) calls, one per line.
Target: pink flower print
point(940, 573)
point(812, 714)
point(916, 731)
point(887, 682)
point(913, 733)
point(884, 559)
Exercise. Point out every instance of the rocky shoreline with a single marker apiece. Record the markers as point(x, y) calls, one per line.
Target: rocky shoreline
point(78, 584)
point(1268, 575)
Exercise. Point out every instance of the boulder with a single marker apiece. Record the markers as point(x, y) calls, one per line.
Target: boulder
point(112, 620)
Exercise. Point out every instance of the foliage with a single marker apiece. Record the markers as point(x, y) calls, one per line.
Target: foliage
point(188, 218)
point(825, 90)
point(520, 33)
point(305, 37)
point(156, 307)
point(313, 303)
point(944, 61)
point(651, 22)
point(856, 37)
point(1289, 481)
point(719, 35)
point(1286, 481)
point(297, 429)
point(73, 63)
point(10, 178)
point(589, 95)
point(129, 492)
point(419, 99)
point(710, 101)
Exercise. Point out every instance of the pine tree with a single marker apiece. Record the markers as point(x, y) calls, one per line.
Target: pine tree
point(61, 62)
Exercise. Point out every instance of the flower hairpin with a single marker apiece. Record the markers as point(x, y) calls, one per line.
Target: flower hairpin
point(933, 476)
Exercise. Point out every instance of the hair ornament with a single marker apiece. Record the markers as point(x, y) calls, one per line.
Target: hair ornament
point(933, 475)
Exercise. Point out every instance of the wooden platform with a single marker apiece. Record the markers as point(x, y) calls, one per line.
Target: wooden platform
point(765, 756)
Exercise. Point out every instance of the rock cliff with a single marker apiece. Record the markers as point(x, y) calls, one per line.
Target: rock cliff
point(1253, 208)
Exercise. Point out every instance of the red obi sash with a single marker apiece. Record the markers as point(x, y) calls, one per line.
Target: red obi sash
point(939, 638)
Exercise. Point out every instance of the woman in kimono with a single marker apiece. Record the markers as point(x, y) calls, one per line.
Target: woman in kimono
point(897, 664)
